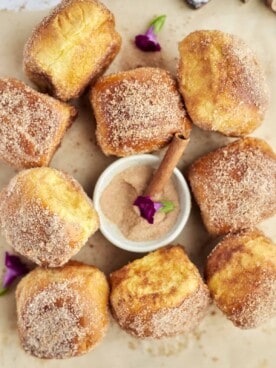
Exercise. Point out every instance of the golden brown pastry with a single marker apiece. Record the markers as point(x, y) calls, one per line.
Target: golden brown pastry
point(137, 111)
point(241, 276)
point(46, 216)
point(71, 47)
point(32, 124)
point(222, 83)
point(62, 312)
point(161, 294)
point(235, 185)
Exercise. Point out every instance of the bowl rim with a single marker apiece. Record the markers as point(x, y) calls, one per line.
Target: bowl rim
point(141, 246)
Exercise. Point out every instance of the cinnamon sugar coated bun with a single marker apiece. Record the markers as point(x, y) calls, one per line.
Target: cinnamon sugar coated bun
point(241, 276)
point(71, 47)
point(222, 83)
point(46, 216)
point(159, 295)
point(235, 185)
point(62, 313)
point(137, 111)
point(32, 124)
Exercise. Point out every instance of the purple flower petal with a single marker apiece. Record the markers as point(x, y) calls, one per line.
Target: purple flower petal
point(147, 42)
point(151, 35)
point(15, 268)
point(157, 206)
point(147, 207)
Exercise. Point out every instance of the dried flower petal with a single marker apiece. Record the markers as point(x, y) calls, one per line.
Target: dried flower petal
point(148, 42)
point(147, 207)
point(15, 268)
point(158, 206)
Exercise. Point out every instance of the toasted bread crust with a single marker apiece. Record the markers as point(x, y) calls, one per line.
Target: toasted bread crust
point(62, 312)
point(71, 47)
point(235, 185)
point(222, 83)
point(160, 295)
point(137, 111)
point(241, 276)
point(32, 124)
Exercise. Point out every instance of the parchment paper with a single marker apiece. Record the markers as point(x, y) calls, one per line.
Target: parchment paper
point(216, 342)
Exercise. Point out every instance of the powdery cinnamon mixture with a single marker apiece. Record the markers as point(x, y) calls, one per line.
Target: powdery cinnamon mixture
point(117, 205)
point(37, 233)
point(245, 76)
point(259, 307)
point(29, 124)
point(236, 188)
point(31, 228)
point(168, 321)
point(50, 322)
point(247, 73)
point(140, 112)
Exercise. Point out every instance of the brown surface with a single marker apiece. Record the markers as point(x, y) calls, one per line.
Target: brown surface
point(222, 83)
point(235, 185)
point(71, 47)
point(32, 124)
point(62, 312)
point(137, 111)
point(215, 339)
point(241, 276)
point(159, 295)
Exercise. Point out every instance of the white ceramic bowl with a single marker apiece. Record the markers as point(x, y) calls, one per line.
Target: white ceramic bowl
point(112, 232)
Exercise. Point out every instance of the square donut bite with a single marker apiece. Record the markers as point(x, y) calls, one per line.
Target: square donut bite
point(159, 295)
point(32, 124)
point(71, 47)
point(137, 111)
point(235, 185)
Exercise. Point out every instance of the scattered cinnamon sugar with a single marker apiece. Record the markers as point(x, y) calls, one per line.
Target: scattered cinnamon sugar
point(139, 113)
point(222, 82)
point(171, 321)
point(30, 124)
point(235, 185)
point(241, 274)
point(35, 230)
point(117, 205)
point(246, 72)
point(160, 295)
point(50, 322)
point(259, 306)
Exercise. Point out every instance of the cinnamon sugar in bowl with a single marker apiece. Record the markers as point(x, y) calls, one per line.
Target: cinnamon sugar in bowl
point(148, 240)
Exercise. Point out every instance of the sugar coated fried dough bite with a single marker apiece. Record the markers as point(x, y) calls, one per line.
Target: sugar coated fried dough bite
point(62, 313)
point(46, 216)
point(222, 83)
point(32, 124)
point(71, 47)
point(159, 295)
point(241, 276)
point(137, 111)
point(235, 185)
